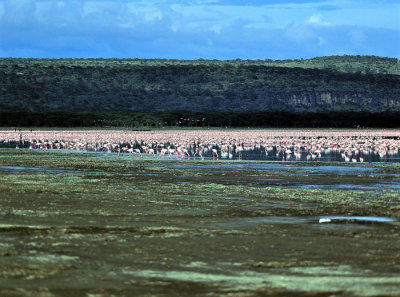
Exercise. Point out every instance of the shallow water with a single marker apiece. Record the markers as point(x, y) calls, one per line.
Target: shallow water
point(354, 187)
point(121, 226)
point(271, 166)
point(360, 219)
point(21, 169)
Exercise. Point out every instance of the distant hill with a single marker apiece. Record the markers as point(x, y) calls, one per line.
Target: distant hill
point(347, 64)
point(319, 85)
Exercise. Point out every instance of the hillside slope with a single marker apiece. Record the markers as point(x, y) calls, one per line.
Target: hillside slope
point(325, 84)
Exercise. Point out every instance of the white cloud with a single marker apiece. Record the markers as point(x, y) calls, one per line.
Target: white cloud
point(300, 33)
point(321, 41)
point(316, 20)
point(216, 28)
point(125, 25)
point(153, 16)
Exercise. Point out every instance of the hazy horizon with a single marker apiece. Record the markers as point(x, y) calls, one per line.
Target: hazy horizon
point(194, 59)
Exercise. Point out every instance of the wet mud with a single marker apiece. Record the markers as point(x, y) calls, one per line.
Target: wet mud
point(88, 225)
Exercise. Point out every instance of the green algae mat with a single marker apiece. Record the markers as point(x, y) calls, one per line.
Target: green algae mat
point(92, 224)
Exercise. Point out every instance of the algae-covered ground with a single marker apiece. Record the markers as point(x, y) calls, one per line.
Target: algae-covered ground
point(90, 224)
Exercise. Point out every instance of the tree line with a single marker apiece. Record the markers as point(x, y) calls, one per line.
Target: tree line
point(180, 119)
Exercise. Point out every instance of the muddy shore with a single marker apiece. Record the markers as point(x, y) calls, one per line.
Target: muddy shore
point(101, 225)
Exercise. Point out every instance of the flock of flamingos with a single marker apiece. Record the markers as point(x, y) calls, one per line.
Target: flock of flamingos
point(282, 145)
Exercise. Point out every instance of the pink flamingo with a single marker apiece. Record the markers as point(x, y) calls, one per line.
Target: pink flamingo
point(214, 154)
point(239, 150)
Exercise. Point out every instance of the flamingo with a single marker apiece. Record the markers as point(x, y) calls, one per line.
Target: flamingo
point(137, 152)
point(151, 152)
point(130, 151)
point(355, 145)
point(239, 150)
point(214, 153)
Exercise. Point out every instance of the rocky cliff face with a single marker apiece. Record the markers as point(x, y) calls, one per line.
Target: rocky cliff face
point(43, 85)
point(342, 101)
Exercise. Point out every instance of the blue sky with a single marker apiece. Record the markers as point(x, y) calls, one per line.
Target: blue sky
point(211, 29)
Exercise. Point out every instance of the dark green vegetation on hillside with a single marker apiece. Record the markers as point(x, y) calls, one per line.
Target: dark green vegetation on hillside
point(337, 90)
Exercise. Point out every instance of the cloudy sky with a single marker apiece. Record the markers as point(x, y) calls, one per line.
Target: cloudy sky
point(191, 29)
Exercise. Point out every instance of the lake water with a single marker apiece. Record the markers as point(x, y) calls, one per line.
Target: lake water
point(95, 224)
